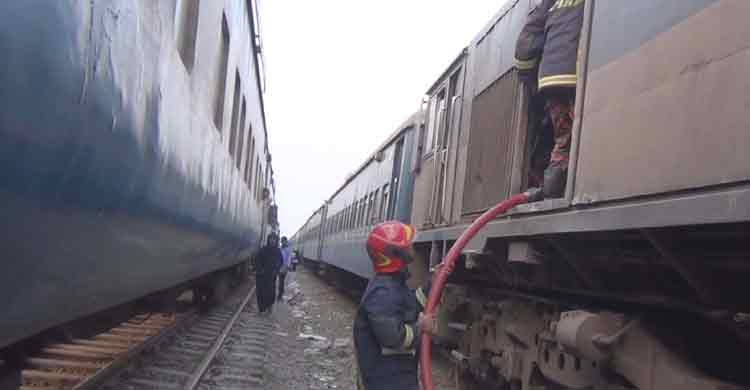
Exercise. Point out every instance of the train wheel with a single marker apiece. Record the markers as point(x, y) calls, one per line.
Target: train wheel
point(464, 379)
point(220, 290)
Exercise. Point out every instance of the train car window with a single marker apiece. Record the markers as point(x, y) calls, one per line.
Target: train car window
point(440, 119)
point(344, 215)
point(441, 122)
point(249, 155)
point(365, 209)
point(221, 78)
point(241, 135)
point(372, 210)
point(187, 31)
point(376, 207)
point(431, 122)
point(263, 178)
point(355, 222)
point(384, 203)
point(256, 176)
point(362, 209)
point(368, 211)
point(235, 114)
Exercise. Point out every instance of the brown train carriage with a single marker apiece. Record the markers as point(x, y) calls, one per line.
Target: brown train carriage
point(637, 277)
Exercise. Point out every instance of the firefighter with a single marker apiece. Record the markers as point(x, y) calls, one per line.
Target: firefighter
point(546, 57)
point(388, 322)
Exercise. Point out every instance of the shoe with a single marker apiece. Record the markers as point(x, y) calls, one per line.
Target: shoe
point(555, 178)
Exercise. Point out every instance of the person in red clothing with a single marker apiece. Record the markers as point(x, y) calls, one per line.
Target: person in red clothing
point(389, 319)
point(546, 58)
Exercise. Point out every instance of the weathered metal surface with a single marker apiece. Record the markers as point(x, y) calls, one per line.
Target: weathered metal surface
point(114, 181)
point(668, 112)
point(494, 47)
point(491, 145)
point(711, 207)
point(620, 28)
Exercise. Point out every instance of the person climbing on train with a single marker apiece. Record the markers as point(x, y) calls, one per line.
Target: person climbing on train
point(285, 265)
point(389, 319)
point(267, 264)
point(546, 57)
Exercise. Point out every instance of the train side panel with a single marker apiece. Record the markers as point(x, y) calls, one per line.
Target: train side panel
point(115, 180)
point(666, 99)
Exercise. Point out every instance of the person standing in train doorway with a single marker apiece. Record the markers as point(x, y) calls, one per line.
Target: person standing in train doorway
point(546, 58)
point(285, 265)
point(388, 321)
point(267, 266)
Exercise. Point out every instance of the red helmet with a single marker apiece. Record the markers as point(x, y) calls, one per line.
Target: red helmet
point(388, 245)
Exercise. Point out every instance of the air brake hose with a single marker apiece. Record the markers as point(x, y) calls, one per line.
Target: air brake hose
point(449, 263)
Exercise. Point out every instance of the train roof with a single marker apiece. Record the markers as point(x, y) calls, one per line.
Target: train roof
point(447, 70)
point(391, 138)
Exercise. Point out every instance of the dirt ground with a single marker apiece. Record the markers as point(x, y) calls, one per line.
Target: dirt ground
point(311, 344)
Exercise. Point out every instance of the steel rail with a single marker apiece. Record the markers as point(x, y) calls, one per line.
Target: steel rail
point(124, 360)
point(195, 378)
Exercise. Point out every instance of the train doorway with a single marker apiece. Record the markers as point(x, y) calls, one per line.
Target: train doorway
point(446, 123)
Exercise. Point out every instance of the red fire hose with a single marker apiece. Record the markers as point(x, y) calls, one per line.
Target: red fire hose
point(449, 263)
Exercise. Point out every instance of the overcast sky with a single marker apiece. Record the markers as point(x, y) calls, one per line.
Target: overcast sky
point(342, 75)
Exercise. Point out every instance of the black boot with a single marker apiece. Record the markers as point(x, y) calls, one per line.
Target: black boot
point(555, 178)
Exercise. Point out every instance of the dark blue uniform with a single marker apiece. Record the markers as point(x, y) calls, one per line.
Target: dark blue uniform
point(385, 333)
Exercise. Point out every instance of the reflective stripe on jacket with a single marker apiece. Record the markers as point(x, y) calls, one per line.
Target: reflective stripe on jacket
point(549, 42)
point(386, 334)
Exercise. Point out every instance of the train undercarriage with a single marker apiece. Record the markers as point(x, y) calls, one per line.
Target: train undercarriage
point(656, 309)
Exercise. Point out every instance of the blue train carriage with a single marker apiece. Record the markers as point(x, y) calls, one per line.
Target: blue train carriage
point(308, 242)
point(134, 152)
point(378, 190)
point(649, 242)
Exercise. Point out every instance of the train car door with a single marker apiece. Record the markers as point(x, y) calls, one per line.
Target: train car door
point(448, 103)
point(321, 232)
point(398, 158)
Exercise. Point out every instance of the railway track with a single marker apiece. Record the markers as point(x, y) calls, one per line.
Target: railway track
point(74, 363)
point(223, 348)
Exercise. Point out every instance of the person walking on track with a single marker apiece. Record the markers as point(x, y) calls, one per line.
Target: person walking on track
point(388, 322)
point(267, 266)
point(286, 255)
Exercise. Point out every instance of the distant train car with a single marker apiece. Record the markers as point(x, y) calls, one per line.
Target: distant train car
point(134, 152)
point(307, 239)
point(637, 277)
point(379, 190)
